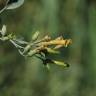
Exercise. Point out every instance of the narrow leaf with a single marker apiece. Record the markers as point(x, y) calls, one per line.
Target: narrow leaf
point(47, 66)
point(50, 50)
point(61, 63)
point(31, 53)
point(35, 35)
point(3, 32)
point(14, 4)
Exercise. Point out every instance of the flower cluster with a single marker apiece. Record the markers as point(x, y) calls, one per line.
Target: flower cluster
point(39, 48)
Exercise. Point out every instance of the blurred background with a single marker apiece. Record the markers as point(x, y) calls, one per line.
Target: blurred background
point(75, 19)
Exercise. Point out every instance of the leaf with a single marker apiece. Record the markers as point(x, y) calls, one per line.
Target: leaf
point(21, 41)
point(50, 50)
point(3, 31)
point(21, 52)
point(27, 48)
point(35, 35)
point(61, 63)
point(11, 36)
point(48, 67)
point(32, 52)
point(14, 4)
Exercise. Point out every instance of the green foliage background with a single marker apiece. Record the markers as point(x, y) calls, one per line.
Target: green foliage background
point(74, 19)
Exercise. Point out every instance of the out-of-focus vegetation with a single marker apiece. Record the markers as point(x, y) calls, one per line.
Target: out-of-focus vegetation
point(74, 19)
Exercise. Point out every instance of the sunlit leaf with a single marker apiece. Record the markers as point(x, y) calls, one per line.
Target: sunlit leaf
point(3, 31)
point(31, 53)
point(50, 50)
point(14, 4)
point(35, 35)
point(27, 48)
point(61, 63)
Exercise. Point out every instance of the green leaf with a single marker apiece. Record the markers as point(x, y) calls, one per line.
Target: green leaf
point(3, 31)
point(31, 53)
point(50, 50)
point(35, 35)
point(47, 66)
point(20, 41)
point(60, 63)
point(27, 48)
point(14, 4)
